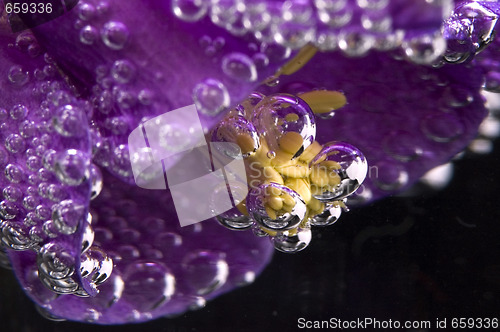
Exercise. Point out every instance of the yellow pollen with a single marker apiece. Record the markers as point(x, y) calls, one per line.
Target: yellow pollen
point(324, 101)
point(273, 161)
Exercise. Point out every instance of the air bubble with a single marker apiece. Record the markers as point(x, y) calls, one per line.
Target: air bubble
point(442, 128)
point(293, 243)
point(239, 66)
point(425, 49)
point(13, 173)
point(69, 121)
point(96, 181)
point(148, 285)
point(290, 216)
point(189, 10)
point(68, 215)
point(286, 122)
point(18, 76)
point(352, 171)
point(115, 35)
point(86, 11)
point(19, 112)
point(329, 216)
point(72, 167)
point(390, 176)
point(400, 145)
point(205, 271)
point(211, 97)
point(15, 143)
point(123, 71)
point(355, 44)
point(236, 130)
point(12, 193)
point(88, 34)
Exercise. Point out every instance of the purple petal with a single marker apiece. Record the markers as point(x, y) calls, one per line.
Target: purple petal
point(136, 59)
point(46, 153)
point(405, 118)
point(48, 183)
point(160, 268)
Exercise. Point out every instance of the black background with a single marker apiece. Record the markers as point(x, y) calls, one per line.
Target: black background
point(435, 255)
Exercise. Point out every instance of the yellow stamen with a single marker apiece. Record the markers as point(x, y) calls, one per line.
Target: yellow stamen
point(245, 142)
point(242, 207)
point(310, 152)
point(270, 212)
point(333, 179)
point(298, 61)
point(319, 176)
point(323, 101)
point(261, 155)
point(291, 142)
point(294, 171)
point(271, 233)
point(275, 202)
point(288, 200)
point(282, 158)
point(315, 206)
point(301, 186)
point(273, 191)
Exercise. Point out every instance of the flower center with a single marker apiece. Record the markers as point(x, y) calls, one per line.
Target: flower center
point(293, 181)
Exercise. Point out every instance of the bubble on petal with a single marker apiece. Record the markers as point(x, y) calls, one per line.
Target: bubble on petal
point(72, 167)
point(96, 181)
point(148, 285)
point(115, 35)
point(239, 66)
point(424, 49)
point(123, 71)
point(68, 121)
point(68, 215)
point(211, 97)
point(189, 10)
point(18, 76)
point(88, 34)
point(15, 143)
point(205, 271)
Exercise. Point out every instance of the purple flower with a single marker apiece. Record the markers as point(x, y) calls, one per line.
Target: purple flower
point(75, 87)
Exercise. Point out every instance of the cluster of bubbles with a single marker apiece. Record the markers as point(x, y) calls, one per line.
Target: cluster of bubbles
point(293, 181)
point(354, 28)
point(48, 175)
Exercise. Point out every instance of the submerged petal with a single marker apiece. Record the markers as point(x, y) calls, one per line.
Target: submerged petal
point(66, 245)
point(138, 59)
point(405, 118)
point(160, 268)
